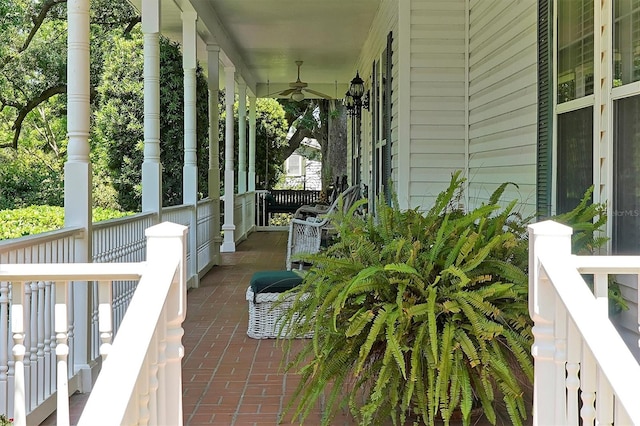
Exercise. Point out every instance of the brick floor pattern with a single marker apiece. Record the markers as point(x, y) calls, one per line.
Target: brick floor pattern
point(229, 378)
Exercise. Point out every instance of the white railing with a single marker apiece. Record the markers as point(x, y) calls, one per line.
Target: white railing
point(39, 342)
point(185, 214)
point(122, 239)
point(117, 240)
point(244, 208)
point(584, 372)
point(262, 216)
point(47, 247)
point(140, 381)
point(208, 240)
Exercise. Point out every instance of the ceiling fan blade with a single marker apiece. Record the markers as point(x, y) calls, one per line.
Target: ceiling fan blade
point(287, 92)
point(322, 95)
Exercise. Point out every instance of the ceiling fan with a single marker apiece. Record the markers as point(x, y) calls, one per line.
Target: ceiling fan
point(296, 88)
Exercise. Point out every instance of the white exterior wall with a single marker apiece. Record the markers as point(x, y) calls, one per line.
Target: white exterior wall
point(502, 99)
point(385, 21)
point(464, 97)
point(437, 97)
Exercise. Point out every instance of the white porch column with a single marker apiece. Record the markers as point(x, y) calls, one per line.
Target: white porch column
point(252, 144)
point(77, 169)
point(77, 178)
point(213, 66)
point(242, 138)
point(190, 168)
point(151, 167)
point(229, 244)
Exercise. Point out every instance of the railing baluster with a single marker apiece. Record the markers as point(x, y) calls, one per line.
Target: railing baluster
point(153, 379)
point(18, 330)
point(604, 405)
point(174, 352)
point(560, 360)
point(162, 366)
point(588, 386)
point(61, 323)
point(105, 321)
point(27, 345)
point(71, 333)
point(49, 340)
point(143, 393)
point(574, 349)
point(33, 347)
point(41, 343)
point(95, 327)
point(4, 346)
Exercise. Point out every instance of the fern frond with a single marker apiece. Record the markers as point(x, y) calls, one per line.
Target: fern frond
point(393, 346)
point(374, 333)
point(358, 322)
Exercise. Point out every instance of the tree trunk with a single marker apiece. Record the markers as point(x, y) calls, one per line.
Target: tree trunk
point(334, 163)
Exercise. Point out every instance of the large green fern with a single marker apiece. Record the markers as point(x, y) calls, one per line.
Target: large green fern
point(416, 315)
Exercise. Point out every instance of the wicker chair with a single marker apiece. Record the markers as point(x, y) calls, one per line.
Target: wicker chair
point(305, 235)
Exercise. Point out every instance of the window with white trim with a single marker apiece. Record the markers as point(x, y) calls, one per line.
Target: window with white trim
point(599, 120)
point(295, 165)
point(574, 120)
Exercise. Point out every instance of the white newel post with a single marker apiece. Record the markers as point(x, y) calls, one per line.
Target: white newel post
point(151, 167)
point(190, 169)
point(229, 244)
point(77, 175)
point(213, 80)
point(549, 238)
point(162, 239)
point(242, 138)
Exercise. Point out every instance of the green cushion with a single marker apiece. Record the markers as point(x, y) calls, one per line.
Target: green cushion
point(274, 281)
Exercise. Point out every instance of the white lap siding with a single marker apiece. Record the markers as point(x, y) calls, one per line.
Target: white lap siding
point(437, 98)
point(502, 99)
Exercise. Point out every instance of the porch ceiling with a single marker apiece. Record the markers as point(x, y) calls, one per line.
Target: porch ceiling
point(264, 38)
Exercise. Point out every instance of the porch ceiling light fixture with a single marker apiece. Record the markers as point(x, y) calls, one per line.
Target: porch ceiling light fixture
point(357, 98)
point(349, 103)
point(297, 96)
point(356, 89)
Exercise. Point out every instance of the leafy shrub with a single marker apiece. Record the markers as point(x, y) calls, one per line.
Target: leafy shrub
point(421, 315)
point(36, 219)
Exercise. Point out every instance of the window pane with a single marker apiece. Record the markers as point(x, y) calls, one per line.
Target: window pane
point(626, 42)
point(626, 176)
point(575, 49)
point(293, 165)
point(575, 157)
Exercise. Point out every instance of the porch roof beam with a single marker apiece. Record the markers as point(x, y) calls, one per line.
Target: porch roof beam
point(215, 33)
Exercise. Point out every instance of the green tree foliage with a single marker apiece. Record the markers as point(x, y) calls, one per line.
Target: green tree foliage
point(32, 173)
point(33, 58)
point(271, 141)
point(119, 119)
point(26, 180)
